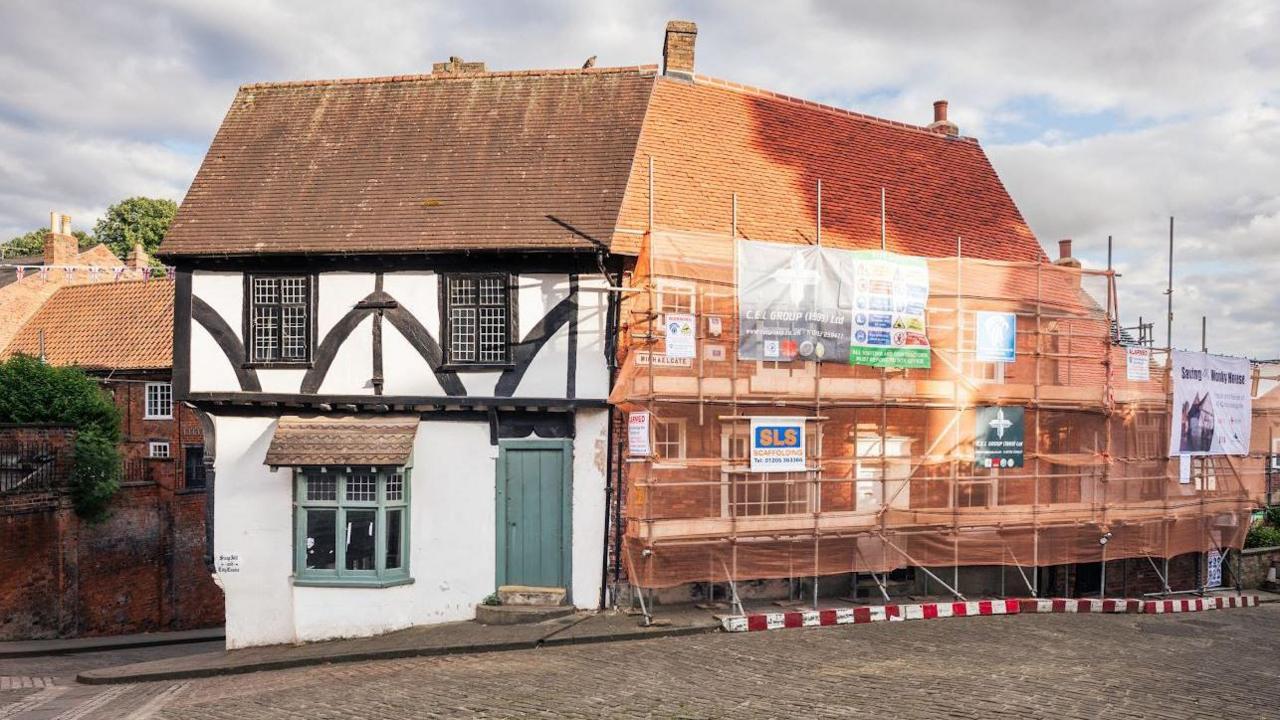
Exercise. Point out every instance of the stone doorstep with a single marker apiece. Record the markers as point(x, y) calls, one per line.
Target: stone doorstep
point(518, 614)
point(531, 595)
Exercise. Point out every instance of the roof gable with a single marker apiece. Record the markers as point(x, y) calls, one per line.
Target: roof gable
point(493, 161)
point(710, 139)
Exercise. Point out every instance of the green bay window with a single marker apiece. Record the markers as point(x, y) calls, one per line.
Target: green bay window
point(351, 526)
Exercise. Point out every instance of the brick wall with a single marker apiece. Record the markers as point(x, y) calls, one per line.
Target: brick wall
point(140, 570)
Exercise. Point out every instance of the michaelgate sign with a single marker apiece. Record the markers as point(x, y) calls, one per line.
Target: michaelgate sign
point(860, 307)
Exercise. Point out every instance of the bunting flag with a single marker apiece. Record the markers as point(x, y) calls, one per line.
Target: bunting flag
point(44, 273)
point(94, 272)
point(22, 270)
point(146, 274)
point(118, 273)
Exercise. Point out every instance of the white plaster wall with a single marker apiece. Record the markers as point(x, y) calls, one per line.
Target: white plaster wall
point(280, 380)
point(419, 293)
point(253, 517)
point(352, 370)
point(452, 542)
point(480, 384)
point(589, 469)
point(224, 292)
point(451, 556)
point(547, 376)
point(593, 313)
point(404, 370)
point(537, 294)
point(211, 371)
point(337, 294)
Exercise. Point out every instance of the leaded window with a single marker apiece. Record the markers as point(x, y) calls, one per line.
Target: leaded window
point(280, 318)
point(479, 314)
point(352, 526)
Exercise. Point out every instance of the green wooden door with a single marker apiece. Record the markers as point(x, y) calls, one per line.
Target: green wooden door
point(534, 512)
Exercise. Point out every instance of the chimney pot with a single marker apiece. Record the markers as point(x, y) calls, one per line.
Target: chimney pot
point(677, 49)
point(60, 246)
point(940, 122)
point(1064, 254)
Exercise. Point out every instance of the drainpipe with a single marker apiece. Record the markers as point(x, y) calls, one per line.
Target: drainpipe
point(611, 357)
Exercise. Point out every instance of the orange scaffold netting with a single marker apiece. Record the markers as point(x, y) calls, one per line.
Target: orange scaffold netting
point(890, 477)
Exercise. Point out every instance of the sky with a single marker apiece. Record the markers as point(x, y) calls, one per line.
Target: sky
point(1102, 118)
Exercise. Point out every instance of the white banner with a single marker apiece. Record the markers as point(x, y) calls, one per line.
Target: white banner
point(638, 435)
point(777, 444)
point(1212, 407)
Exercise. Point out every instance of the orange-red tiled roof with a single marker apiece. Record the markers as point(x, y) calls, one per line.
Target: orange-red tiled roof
point(420, 163)
point(103, 326)
point(710, 139)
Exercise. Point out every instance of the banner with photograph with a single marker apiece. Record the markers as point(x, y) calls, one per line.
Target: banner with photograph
point(861, 307)
point(1212, 405)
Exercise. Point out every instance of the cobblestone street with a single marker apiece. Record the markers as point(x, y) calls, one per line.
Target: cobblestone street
point(1221, 663)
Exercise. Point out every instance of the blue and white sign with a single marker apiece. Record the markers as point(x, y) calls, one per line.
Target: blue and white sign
point(997, 335)
point(777, 444)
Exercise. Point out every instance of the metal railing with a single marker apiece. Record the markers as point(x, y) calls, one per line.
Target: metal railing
point(29, 467)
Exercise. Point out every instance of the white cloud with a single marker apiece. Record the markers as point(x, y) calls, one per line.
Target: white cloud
point(1138, 110)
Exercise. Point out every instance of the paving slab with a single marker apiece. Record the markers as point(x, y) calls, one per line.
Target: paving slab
point(445, 639)
point(66, 646)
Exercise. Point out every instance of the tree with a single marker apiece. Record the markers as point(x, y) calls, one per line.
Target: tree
point(33, 392)
point(32, 243)
point(136, 220)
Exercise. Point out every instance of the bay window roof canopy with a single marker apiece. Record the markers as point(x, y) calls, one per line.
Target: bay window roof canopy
point(343, 440)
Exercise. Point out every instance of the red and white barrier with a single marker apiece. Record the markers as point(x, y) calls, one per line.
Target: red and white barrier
point(929, 611)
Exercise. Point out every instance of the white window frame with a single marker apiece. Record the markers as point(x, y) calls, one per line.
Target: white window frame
point(670, 289)
point(147, 409)
point(159, 450)
point(735, 460)
point(681, 441)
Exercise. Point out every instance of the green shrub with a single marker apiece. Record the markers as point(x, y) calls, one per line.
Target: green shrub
point(1271, 516)
point(1262, 536)
point(33, 392)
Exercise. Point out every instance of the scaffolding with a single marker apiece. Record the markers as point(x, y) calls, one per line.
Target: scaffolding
point(890, 479)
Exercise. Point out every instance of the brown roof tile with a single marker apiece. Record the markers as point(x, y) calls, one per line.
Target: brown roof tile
point(103, 326)
point(346, 440)
point(494, 161)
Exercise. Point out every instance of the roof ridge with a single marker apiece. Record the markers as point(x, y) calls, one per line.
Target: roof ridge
point(420, 77)
point(752, 90)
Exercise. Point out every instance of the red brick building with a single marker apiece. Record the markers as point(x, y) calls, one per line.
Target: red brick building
point(143, 569)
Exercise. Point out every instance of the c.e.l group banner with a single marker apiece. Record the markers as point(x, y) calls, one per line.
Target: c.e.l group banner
point(861, 307)
point(1212, 405)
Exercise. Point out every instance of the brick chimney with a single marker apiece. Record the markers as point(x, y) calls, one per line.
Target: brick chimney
point(60, 246)
point(940, 122)
point(677, 49)
point(138, 258)
point(456, 66)
point(1065, 258)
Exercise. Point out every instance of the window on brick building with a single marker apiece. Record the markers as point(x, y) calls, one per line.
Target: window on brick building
point(159, 401)
point(193, 466)
point(352, 526)
point(158, 449)
point(479, 319)
point(280, 311)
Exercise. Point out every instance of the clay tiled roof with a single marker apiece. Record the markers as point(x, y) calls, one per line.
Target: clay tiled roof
point(494, 161)
point(103, 326)
point(710, 139)
point(347, 440)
